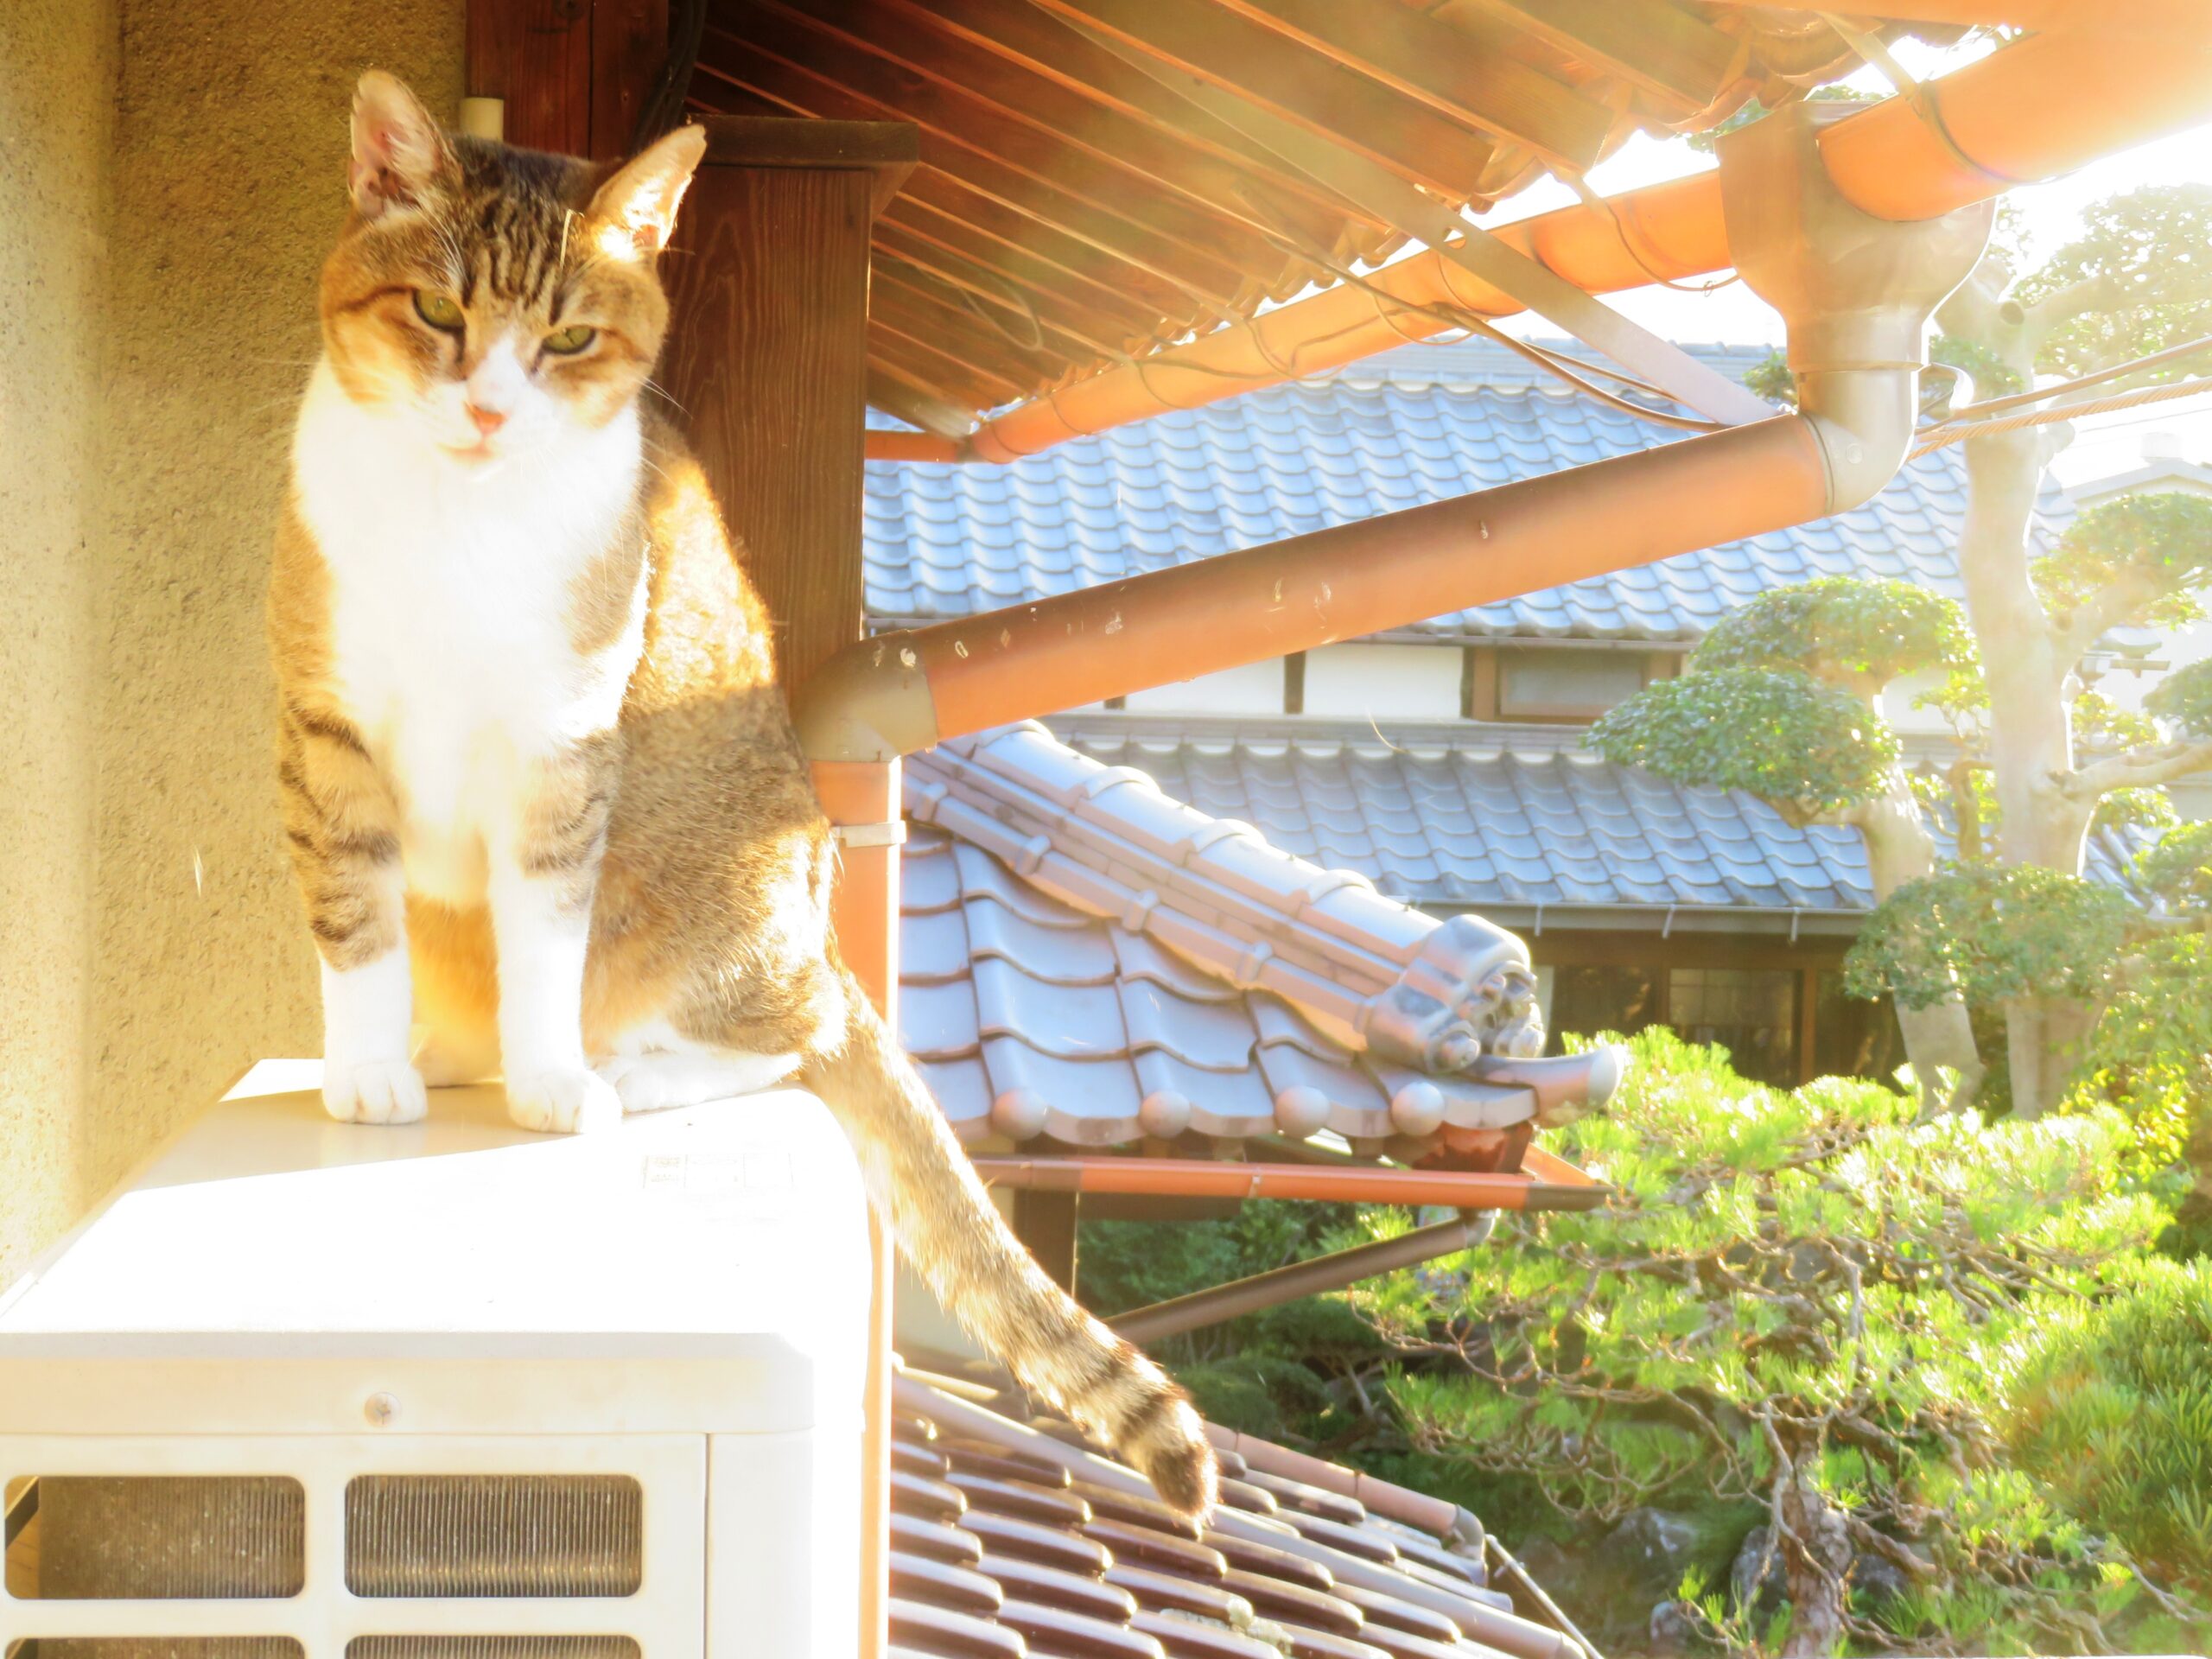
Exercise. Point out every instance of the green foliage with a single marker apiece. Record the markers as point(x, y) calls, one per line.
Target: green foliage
point(1278, 1373)
point(2183, 699)
point(1810, 1302)
point(1842, 628)
point(1991, 375)
point(1704, 143)
point(2154, 548)
point(2178, 869)
point(2135, 809)
point(2114, 1415)
point(1990, 933)
point(2102, 726)
point(2147, 251)
point(1776, 733)
point(1771, 378)
point(2149, 1052)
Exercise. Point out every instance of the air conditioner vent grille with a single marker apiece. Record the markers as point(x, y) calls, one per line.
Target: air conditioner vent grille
point(487, 1535)
point(491, 1647)
point(158, 1647)
point(161, 1537)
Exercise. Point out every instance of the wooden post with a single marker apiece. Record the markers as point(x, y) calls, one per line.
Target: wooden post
point(573, 75)
point(767, 355)
point(767, 363)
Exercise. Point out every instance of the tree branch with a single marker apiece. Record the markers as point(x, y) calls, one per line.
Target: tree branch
point(2124, 597)
point(2138, 769)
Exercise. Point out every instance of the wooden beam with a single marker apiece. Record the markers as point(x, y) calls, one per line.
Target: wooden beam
point(1238, 56)
point(1651, 44)
point(1417, 57)
point(778, 67)
point(925, 352)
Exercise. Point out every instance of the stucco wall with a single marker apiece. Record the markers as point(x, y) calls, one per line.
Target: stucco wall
point(57, 69)
point(159, 937)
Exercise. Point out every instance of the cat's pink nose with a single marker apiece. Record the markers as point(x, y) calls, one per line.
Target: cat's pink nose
point(488, 420)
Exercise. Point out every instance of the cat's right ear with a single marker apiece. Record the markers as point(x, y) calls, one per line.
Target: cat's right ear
point(399, 155)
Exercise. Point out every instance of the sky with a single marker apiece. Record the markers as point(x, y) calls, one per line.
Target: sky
point(1732, 315)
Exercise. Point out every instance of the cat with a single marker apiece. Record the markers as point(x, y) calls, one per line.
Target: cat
point(539, 783)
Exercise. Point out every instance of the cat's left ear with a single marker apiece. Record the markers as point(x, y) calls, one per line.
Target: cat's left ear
point(638, 203)
point(399, 155)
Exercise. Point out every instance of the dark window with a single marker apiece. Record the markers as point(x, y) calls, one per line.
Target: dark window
point(1751, 1012)
point(1565, 685)
point(1852, 1037)
point(1591, 1000)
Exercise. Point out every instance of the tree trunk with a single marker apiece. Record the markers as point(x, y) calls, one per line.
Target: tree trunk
point(1815, 1563)
point(1940, 1037)
point(2031, 736)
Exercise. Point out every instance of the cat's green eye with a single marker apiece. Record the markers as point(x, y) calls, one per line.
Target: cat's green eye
point(439, 310)
point(567, 342)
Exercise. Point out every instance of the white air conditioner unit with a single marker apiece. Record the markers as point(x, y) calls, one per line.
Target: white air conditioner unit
point(309, 1391)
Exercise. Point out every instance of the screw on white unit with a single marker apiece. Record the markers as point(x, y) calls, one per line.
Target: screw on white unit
point(380, 1410)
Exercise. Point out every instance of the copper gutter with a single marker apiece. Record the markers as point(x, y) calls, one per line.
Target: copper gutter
point(2040, 107)
point(1206, 1178)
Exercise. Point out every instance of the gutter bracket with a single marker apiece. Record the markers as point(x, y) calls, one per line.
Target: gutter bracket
point(1856, 291)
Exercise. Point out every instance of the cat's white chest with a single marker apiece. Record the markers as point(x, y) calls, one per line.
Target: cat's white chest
point(452, 603)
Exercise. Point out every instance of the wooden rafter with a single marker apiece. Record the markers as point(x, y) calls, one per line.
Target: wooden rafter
point(845, 48)
point(1651, 44)
point(911, 37)
point(952, 328)
point(895, 243)
point(1437, 66)
point(769, 61)
point(914, 406)
point(1302, 86)
point(935, 240)
point(1055, 345)
point(1045, 46)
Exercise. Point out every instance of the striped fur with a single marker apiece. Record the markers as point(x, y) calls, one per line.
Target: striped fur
point(529, 719)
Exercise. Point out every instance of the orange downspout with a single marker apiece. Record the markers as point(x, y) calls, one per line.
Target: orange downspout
point(861, 800)
point(900, 693)
point(2038, 108)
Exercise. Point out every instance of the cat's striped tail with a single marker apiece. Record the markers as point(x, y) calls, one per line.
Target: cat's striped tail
point(961, 1246)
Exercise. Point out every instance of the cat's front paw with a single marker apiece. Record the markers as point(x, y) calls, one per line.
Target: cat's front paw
point(563, 1102)
point(374, 1091)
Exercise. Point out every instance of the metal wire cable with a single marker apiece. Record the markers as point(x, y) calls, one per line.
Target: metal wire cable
point(1949, 433)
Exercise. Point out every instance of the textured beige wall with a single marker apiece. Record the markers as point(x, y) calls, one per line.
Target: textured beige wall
point(57, 72)
point(227, 135)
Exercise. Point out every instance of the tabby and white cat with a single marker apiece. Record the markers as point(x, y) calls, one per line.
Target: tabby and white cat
point(540, 785)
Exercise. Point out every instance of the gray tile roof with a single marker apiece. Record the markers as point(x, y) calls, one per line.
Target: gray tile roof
point(1085, 959)
point(1488, 817)
point(1406, 428)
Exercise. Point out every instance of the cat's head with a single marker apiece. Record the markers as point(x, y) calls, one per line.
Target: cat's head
point(491, 299)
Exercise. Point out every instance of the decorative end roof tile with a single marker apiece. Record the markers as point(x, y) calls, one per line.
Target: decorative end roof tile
point(1134, 969)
